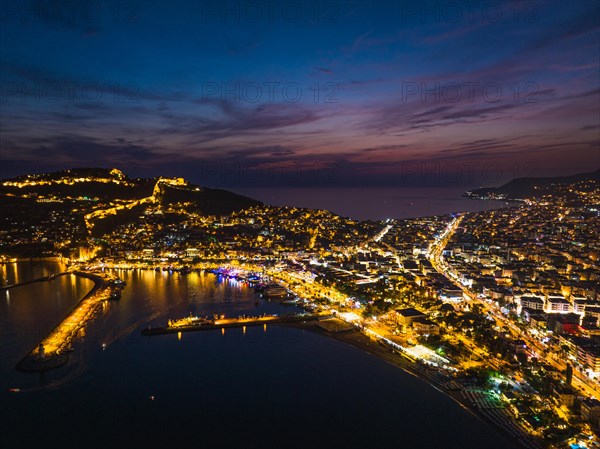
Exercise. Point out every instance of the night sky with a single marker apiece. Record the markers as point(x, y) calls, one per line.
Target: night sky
point(302, 93)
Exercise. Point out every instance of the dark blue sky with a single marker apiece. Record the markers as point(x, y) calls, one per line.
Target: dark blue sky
point(302, 93)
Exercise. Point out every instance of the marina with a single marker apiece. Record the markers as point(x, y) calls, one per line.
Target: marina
point(113, 360)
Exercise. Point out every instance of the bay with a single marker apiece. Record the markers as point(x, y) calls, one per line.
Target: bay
point(279, 387)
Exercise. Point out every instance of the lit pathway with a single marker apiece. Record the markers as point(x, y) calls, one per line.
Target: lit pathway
point(56, 344)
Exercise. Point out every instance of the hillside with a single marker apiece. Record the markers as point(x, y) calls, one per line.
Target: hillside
point(70, 206)
point(521, 188)
point(205, 201)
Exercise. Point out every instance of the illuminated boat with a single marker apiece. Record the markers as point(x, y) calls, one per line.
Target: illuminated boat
point(191, 321)
point(275, 291)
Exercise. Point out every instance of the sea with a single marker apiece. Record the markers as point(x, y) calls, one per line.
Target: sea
point(374, 203)
point(277, 387)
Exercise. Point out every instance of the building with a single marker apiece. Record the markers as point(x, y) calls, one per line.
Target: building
point(589, 357)
point(579, 304)
point(405, 317)
point(451, 294)
point(557, 304)
point(592, 311)
point(148, 254)
point(423, 326)
point(518, 346)
point(538, 320)
point(564, 394)
point(590, 411)
point(192, 252)
point(589, 329)
point(532, 302)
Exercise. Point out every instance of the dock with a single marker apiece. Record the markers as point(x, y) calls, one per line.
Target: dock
point(227, 323)
point(32, 281)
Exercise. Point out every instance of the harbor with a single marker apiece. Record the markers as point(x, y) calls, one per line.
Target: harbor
point(300, 343)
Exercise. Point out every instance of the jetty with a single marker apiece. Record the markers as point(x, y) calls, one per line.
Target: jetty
point(53, 350)
point(42, 279)
point(194, 324)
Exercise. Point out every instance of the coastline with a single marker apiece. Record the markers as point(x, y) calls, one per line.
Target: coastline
point(360, 341)
point(375, 203)
point(10, 259)
point(363, 342)
point(352, 337)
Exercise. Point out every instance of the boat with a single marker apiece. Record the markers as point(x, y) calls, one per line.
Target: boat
point(275, 291)
point(190, 321)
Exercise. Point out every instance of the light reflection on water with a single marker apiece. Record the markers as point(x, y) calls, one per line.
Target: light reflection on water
point(273, 387)
point(30, 312)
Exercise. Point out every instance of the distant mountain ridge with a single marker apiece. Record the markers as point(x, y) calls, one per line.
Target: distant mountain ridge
point(521, 188)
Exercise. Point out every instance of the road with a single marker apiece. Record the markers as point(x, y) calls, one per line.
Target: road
point(435, 254)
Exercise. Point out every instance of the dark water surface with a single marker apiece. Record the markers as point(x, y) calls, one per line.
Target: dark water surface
point(374, 203)
point(279, 388)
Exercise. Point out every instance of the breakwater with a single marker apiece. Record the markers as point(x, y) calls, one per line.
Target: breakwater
point(53, 350)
